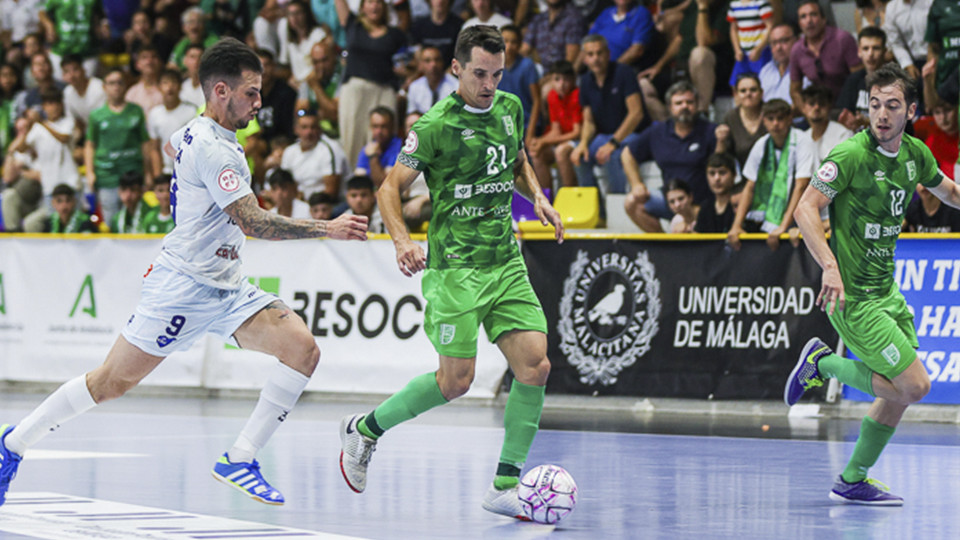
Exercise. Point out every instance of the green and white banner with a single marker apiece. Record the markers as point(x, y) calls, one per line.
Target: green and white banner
point(63, 303)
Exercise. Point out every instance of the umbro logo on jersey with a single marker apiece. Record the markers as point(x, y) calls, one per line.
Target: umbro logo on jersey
point(880, 176)
point(467, 134)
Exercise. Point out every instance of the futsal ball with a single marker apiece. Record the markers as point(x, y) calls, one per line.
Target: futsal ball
point(547, 494)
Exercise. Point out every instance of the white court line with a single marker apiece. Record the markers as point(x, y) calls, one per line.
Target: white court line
point(54, 516)
point(34, 454)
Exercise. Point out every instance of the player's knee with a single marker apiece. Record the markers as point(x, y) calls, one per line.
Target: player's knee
point(917, 390)
point(534, 374)
point(302, 354)
point(453, 387)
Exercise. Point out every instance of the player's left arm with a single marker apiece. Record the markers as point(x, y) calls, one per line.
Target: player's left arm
point(947, 191)
point(528, 186)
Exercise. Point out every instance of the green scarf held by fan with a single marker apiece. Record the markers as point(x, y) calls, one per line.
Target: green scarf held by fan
point(774, 180)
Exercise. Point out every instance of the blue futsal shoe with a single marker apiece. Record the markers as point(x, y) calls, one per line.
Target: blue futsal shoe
point(9, 462)
point(805, 374)
point(869, 492)
point(246, 477)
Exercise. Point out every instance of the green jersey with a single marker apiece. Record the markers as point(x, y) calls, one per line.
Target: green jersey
point(869, 189)
point(117, 138)
point(72, 19)
point(468, 157)
point(943, 29)
point(155, 223)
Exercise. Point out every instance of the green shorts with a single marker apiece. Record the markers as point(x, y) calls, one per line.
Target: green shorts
point(460, 299)
point(880, 332)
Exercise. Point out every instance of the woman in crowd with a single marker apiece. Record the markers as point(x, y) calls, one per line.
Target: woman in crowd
point(742, 126)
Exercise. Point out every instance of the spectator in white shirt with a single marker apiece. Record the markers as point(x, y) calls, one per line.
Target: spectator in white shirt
point(83, 94)
point(362, 202)
point(316, 161)
point(165, 119)
point(298, 33)
point(190, 90)
point(283, 191)
point(434, 85)
point(50, 143)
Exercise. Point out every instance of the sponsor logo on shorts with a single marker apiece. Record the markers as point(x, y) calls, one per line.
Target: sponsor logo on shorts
point(891, 354)
point(229, 180)
point(608, 314)
point(447, 333)
point(163, 341)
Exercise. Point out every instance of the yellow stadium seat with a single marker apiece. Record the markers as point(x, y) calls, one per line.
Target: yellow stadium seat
point(579, 208)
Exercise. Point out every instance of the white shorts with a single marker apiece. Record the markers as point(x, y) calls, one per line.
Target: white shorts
point(175, 310)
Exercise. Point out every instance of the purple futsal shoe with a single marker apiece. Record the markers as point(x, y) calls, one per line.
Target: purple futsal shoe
point(805, 374)
point(869, 492)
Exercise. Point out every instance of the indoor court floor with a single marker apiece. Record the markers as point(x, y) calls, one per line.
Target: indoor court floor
point(139, 468)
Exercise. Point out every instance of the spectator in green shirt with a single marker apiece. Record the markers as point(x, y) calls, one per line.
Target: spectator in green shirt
point(160, 219)
point(131, 218)
point(117, 142)
point(194, 31)
point(68, 26)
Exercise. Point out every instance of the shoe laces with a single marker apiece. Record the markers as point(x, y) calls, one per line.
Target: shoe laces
point(9, 472)
point(367, 448)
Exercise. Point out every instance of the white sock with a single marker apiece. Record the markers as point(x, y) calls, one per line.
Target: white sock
point(277, 398)
point(70, 400)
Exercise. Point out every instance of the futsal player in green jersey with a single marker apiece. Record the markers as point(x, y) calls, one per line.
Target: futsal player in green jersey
point(867, 182)
point(469, 146)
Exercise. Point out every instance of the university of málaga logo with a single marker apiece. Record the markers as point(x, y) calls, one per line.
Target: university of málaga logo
point(608, 314)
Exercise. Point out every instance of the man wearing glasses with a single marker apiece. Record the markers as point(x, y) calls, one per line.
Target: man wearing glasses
point(824, 54)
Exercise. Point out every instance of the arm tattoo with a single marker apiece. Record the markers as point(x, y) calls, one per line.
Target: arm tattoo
point(258, 223)
point(281, 307)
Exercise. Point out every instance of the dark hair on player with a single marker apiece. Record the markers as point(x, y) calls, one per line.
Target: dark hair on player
point(486, 37)
point(225, 61)
point(892, 73)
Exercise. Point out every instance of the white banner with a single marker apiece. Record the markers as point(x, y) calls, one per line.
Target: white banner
point(63, 303)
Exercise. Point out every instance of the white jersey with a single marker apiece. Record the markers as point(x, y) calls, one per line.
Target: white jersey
point(210, 172)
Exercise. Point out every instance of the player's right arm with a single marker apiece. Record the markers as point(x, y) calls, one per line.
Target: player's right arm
point(410, 256)
point(258, 223)
point(807, 216)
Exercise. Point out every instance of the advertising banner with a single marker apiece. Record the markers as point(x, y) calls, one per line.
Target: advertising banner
point(690, 319)
point(928, 274)
point(64, 302)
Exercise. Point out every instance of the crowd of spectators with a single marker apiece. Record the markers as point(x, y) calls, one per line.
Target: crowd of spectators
point(733, 102)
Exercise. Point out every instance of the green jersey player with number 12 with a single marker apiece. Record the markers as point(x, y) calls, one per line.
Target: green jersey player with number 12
point(867, 181)
point(469, 147)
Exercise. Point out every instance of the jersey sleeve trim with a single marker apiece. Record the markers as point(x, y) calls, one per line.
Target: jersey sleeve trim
point(411, 162)
point(822, 187)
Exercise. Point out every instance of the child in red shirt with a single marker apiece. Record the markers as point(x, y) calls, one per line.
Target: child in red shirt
point(558, 142)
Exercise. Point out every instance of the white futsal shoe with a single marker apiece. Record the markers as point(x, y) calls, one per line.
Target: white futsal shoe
point(355, 451)
point(504, 502)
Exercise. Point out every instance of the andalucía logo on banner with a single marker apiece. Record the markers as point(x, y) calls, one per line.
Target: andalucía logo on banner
point(608, 314)
point(87, 298)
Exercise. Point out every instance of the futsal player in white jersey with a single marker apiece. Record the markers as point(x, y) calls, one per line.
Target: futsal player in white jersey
point(195, 285)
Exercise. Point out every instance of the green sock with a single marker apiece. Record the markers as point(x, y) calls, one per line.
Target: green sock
point(521, 420)
point(419, 395)
point(505, 482)
point(848, 371)
point(874, 437)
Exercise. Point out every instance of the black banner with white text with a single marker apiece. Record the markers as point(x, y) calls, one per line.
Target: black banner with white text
point(690, 319)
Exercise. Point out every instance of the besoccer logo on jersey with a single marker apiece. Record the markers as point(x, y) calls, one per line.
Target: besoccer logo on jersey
point(508, 124)
point(608, 314)
point(462, 191)
point(872, 231)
